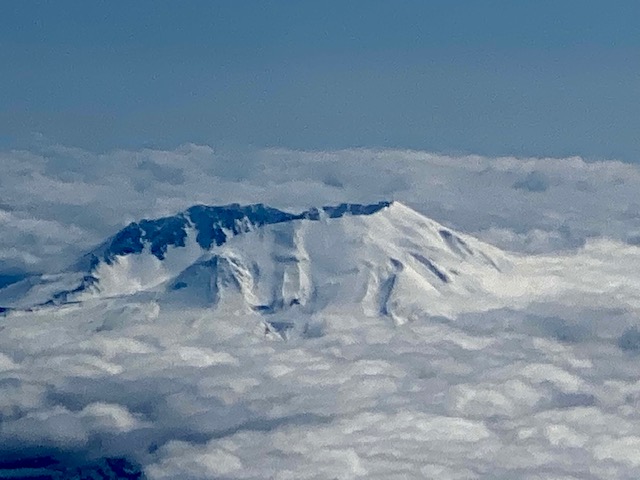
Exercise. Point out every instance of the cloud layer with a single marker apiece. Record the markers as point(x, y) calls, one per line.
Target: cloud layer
point(545, 389)
point(503, 394)
point(58, 202)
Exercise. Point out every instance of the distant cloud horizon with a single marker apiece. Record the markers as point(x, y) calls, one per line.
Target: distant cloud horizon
point(59, 202)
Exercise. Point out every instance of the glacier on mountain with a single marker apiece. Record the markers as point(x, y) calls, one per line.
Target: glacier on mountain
point(350, 254)
point(210, 225)
point(379, 259)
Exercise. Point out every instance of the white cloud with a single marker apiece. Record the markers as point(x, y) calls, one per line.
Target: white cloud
point(545, 389)
point(74, 198)
point(366, 399)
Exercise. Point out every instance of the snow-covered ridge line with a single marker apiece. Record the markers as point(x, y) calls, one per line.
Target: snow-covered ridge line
point(382, 259)
point(215, 224)
point(199, 228)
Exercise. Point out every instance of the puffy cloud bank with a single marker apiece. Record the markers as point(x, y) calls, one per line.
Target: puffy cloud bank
point(546, 390)
point(188, 394)
point(58, 202)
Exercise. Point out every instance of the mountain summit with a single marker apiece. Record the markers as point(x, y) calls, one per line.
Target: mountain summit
point(384, 258)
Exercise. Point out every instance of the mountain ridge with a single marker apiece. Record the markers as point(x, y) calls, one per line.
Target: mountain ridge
point(213, 224)
point(200, 249)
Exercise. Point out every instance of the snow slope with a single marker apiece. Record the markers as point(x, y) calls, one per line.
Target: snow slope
point(385, 258)
point(394, 263)
point(147, 253)
point(381, 259)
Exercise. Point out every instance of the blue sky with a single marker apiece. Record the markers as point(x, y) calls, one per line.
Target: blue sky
point(494, 77)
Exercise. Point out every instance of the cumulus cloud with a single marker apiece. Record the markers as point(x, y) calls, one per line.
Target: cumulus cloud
point(545, 389)
point(198, 395)
point(57, 202)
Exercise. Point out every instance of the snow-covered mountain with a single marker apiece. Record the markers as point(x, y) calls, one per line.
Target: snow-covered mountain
point(383, 258)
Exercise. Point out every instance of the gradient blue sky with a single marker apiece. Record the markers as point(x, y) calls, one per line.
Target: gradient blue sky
point(490, 77)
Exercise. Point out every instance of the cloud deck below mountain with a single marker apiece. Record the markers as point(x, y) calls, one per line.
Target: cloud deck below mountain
point(346, 396)
point(547, 389)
